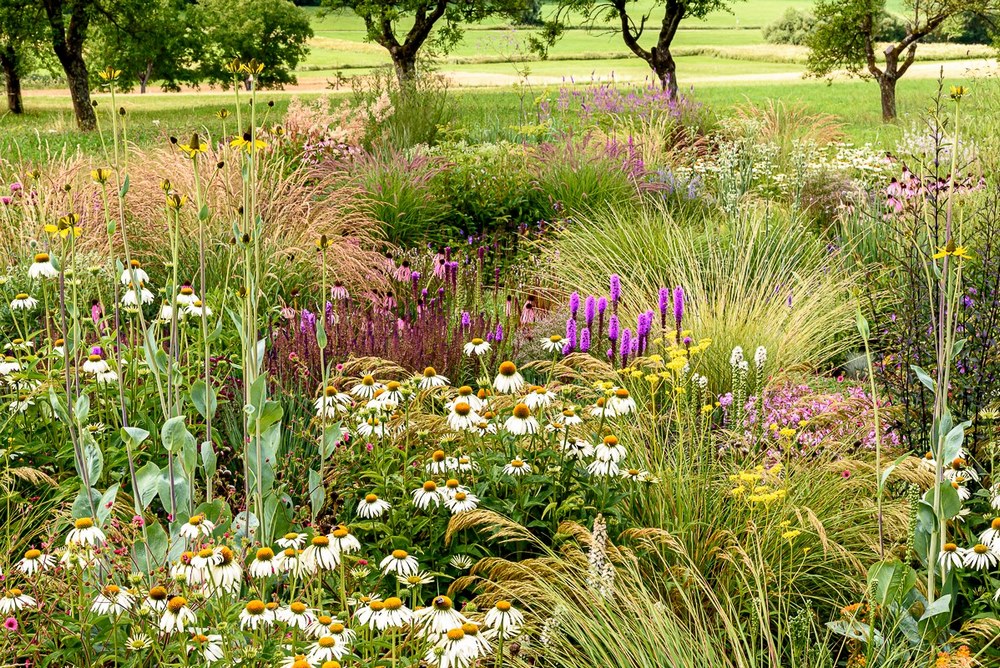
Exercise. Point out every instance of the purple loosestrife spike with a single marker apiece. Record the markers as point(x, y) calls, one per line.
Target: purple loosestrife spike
point(571, 334)
point(589, 310)
point(499, 333)
point(678, 309)
point(585, 340)
point(602, 305)
point(307, 321)
point(626, 346)
point(664, 305)
point(613, 328)
point(466, 320)
point(574, 304)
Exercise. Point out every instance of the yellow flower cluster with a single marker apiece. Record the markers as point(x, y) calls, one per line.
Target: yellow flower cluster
point(759, 485)
point(960, 658)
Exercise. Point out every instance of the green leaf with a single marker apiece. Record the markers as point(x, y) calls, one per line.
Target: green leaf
point(850, 629)
point(317, 493)
point(245, 524)
point(208, 459)
point(924, 377)
point(150, 555)
point(940, 606)
point(950, 503)
point(57, 405)
point(321, 339)
point(82, 409)
point(181, 489)
point(107, 503)
point(204, 399)
point(204, 213)
point(146, 480)
point(124, 189)
point(93, 458)
point(890, 581)
point(332, 435)
point(953, 442)
point(81, 505)
point(890, 468)
point(957, 348)
point(174, 435)
point(134, 436)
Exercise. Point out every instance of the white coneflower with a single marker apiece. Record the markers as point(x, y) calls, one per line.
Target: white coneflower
point(166, 313)
point(321, 555)
point(96, 363)
point(980, 557)
point(462, 417)
point(553, 344)
point(183, 571)
point(332, 403)
point(394, 614)
point(107, 377)
point(13, 600)
point(9, 365)
point(177, 616)
point(393, 395)
point(210, 647)
point(521, 421)
point(185, 296)
point(400, 562)
point(964, 493)
point(367, 614)
point(430, 378)
point(196, 309)
point(59, 348)
point(452, 487)
point(42, 267)
point(462, 502)
point(156, 599)
point(476, 347)
point(292, 539)
point(508, 381)
point(204, 557)
point(20, 344)
point(226, 572)
point(327, 648)
point(85, 532)
point(112, 599)
point(256, 614)
point(464, 464)
point(78, 557)
point(134, 273)
point(610, 449)
point(296, 661)
point(504, 620)
point(372, 426)
point(438, 617)
point(23, 302)
point(290, 561)
point(539, 397)
point(950, 557)
point(449, 652)
point(21, 404)
point(475, 644)
point(134, 296)
point(960, 469)
point(415, 580)
point(468, 396)
point(636, 475)
point(197, 526)
point(517, 467)
point(35, 561)
point(366, 388)
point(371, 507)
point(577, 449)
point(138, 642)
point(339, 631)
point(343, 541)
point(569, 417)
point(462, 562)
point(603, 409)
point(621, 402)
point(296, 615)
point(603, 468)
point(263, 565)
point(426, 495)
point(991, 536)
point(438, 463)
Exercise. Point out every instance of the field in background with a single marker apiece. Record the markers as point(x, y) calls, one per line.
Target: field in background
point(722, 61)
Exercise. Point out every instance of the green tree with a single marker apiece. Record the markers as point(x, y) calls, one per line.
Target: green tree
point(274, 32)
point(627, 18)
point(68, 22)
point(148, 40)
point(847, 35)
point(21, 33)
point(404, 27)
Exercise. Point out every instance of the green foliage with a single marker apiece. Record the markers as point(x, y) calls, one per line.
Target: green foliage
point(272, 32)
point(794, 27)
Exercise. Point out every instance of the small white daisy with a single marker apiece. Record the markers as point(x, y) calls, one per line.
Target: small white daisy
point(366, 388)
point(504, 620)
point(553, 344)
point(263, 565)
point(85, 533)
point(950, 557)
point(321, 555)
point(256, 614)
point(462, 502)
point(980, 557)
point(462, 417)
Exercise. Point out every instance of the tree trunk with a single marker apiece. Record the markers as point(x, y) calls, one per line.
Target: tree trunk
point(144, 77)
point(887, 85)
point(404, 61)
point(665, 70)
point(12, 80)
point(79, 90)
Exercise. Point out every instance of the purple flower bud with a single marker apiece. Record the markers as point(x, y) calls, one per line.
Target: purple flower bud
point(616, 288)
point(664, 300)
point(585, 340)
point(626, 344)
point(307, 321)
point(602, 305)
point(97, 350)
point(499, 333)
point(678, 306)
point(589, 310)
point(613, 328)
point(611, 354)
point(466, 320)
point(574, 304)
point(571, 334)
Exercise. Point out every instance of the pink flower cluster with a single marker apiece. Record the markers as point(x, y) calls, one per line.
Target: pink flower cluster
point(821, 419)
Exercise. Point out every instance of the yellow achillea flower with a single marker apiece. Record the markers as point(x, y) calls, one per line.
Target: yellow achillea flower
point(791, 535)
